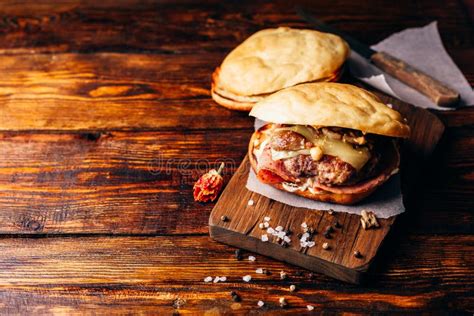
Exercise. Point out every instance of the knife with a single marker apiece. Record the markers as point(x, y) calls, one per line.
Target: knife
point(409, 75)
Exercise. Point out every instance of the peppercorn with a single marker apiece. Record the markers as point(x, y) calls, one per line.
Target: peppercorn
point(238, 254)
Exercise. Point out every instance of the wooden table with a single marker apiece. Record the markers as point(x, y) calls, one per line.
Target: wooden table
point(106, 122)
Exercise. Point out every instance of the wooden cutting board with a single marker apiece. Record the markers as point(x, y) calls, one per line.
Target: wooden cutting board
point(242, 227)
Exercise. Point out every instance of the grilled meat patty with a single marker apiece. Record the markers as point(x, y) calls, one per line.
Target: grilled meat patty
point(329, 170)
point(287, 140)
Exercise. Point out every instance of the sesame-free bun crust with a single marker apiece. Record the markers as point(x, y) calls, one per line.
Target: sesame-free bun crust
point(245, 103)
point(273, 59)
point(331, 104)
point(321, 195)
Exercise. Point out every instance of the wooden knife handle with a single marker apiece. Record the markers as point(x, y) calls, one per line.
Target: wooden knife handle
point(415, 78)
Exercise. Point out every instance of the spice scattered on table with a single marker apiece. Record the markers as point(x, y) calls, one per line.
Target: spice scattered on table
point(235, 296)
point(224, 218)
point(208, 279)
point(266, 218)
point(260, 303)
point(283, 302)
point(179, 302)
point(368, 219)
point(325, 246)
point(264, 238)
point(238, 254)
point(260, 271)
point(310, 307)
point(283, 275)
point(292, 288)
point(208, 186)
point(252, 258)
point(247, 278)
point(250, 202)
point(261, 226)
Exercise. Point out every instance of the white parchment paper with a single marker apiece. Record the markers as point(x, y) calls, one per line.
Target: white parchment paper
point(421, 47)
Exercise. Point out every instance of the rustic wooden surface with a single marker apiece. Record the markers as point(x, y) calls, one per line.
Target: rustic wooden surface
point(106, 120)
point(241, 229)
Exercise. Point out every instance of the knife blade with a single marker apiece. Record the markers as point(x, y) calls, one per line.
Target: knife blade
point(438, 92)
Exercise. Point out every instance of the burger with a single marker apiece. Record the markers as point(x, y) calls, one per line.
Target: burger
point(326, 141)
point(274, 59)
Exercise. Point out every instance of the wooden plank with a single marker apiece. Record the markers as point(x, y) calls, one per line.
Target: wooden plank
point(110, 92)
point(147, 274)
point(187, 26)
point(116, 182)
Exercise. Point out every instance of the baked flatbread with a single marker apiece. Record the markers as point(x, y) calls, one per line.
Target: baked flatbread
point(274, 59)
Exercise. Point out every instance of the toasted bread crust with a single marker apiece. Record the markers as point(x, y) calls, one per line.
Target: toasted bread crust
point(332, 104)
point(323, 196)
point(246, 103)
point(277, 58)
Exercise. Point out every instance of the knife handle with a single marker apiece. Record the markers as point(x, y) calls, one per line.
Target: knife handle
point(415, 78)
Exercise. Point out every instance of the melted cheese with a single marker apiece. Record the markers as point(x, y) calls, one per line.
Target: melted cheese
point(356, 157)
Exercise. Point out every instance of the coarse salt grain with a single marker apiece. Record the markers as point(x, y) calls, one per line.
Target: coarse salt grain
point(287, 239)
point(266, 218)
point(250, 202)
point(311, 244)
point(310, 307)
point(304, 225)
point(304, 237)
point(261, 226)
point(260, 303)
point(325, 245)
point(270, 231)
point(266, 225)
point(259, 271)
point(223, 279)
point(303, 244)
point(216, 279)
point(264, 237)
point(208, 279)
point(279, 228)
point(292, 288)
point(252, 258)
point(247, 278)
point(281, 234)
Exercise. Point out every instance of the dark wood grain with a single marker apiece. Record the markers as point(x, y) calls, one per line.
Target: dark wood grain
point(110, 92)
point(148, 176)
point(75, 73)
point(147, 274)
point(187, 26)
point(112, 182)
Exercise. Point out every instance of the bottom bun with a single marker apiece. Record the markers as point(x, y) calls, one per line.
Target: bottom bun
point(246, 103)
point(321, 195)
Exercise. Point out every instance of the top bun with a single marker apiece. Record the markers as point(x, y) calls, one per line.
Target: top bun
point(273, 59)
point(331, 104)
